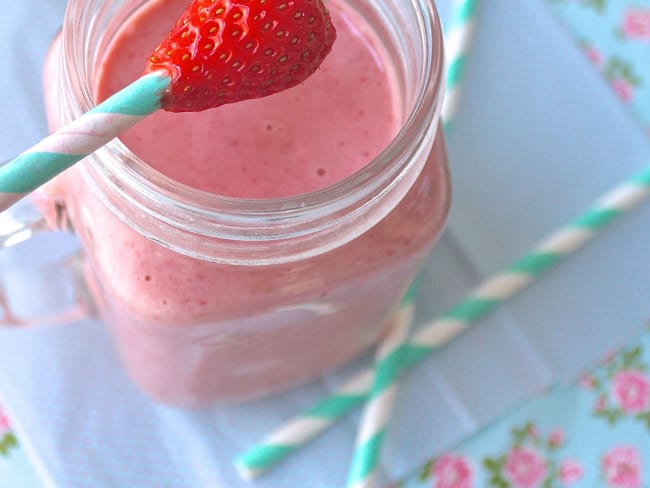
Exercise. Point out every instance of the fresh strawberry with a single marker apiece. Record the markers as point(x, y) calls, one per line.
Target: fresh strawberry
point(225, 51)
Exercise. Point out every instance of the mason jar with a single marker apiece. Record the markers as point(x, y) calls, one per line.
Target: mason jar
point(209, 298)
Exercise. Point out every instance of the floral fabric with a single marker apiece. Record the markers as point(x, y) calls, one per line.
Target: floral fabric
point(615, 37)
point(594, 433)
point(7, 438)
point(16, 469)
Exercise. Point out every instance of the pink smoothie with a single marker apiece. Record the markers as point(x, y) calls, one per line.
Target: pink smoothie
point(291, 143)
point(192, 332)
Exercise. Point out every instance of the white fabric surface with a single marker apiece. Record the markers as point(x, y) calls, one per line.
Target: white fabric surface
point(538, 138)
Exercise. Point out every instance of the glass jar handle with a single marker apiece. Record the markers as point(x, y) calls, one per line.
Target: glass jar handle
point(41, 278)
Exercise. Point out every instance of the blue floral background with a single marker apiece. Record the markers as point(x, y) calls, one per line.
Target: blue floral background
point(592, 433)
point(615, 36)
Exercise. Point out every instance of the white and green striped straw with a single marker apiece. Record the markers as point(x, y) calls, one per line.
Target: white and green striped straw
point(94, 129)
point(458, 40)
point(390, 354)
point(492, 293)
point(389, 361)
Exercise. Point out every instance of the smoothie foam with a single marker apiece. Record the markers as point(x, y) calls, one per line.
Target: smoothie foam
point(290, 143)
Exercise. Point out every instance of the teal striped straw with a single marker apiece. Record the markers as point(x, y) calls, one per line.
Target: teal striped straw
point(374, 421)
point(390, 353)
point(70, 144)
point(458, 40)
point(496, 290)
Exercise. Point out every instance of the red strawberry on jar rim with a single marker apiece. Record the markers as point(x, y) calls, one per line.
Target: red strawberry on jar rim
point(225, 51)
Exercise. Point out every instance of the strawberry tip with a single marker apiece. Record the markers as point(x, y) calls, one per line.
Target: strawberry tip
point(226, 51)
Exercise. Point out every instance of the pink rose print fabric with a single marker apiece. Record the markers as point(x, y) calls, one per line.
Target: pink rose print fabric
point(7, 438)
point(615, 37)
point(448, 471)
point(621, 390)
point(636, 24)
point(533, 461)
point(524, 468)
point(570, 471)
point(631, 391)
point(622, 467)
point(452, 471)
point(594, 433)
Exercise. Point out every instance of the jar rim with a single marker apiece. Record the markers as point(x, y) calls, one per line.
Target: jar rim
point(165, 202)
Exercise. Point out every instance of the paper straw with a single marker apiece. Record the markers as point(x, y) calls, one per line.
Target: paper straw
point(496, 290)
point(388, 366)
point(94, 129)
point(458, 40)
point(390, 354)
